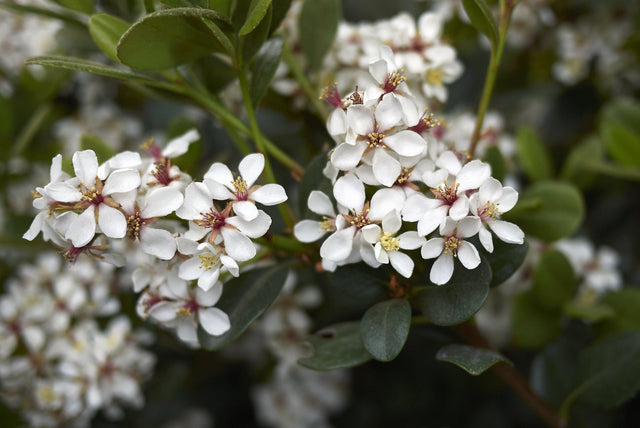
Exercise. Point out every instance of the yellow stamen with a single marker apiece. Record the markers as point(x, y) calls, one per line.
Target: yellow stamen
point(389, 242)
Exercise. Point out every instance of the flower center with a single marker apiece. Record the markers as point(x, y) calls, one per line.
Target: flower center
point(240, 187)
point(489, 211)
point(434, 76)
point(208, 261)
point(92, 196)
point(393, 80)
point(427, 121)
point(451, 245)
point(446, 193)
point(190, 307)
point(212, 220)
point(375, 140)
point(327, 224)
point(389, 242)
point(134, 224)
point(331, 95)
point(404, 176)
point(360, 220)
point(46, 394)
point(161, 172)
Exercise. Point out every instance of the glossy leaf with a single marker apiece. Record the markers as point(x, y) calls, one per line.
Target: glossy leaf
point(168, 38)
point(459, 299)
point(474, 361)
point(280, 9)
point(335, 347)
point(533, 324)
point(257, 12)
point(103, 151)
point(622, 144)
point(505, 260)
point(481, 18)
point(549, 210)
point(244, 299)
point(360, 282)
point(553, 372)
point(313, 179)
point(264, 68)
point(318, 26)
point(385, 328)
point(106, 31)
point(554, 281)
point(609, 371)
point(533, 156)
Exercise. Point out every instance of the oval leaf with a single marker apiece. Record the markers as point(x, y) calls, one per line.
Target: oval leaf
point(168, 38)
point(459, 299)
point(549, 210)
point(622, 144)
point(318, 25)
point(360, 281)
point(257, 12)
point(335, 347)
point(532, 323)
point(106, 31)
point(554, 282)
point(385, 328)
point(480, 16)
point(505, 260)
point(264, 68)
point(472, 360)
point(244, 299)
point(533, 156)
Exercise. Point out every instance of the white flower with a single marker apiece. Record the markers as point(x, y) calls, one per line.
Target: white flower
point(205, 263)
point(241, 190)
point(312, 230)
point(442, 67)
point(387, 245)
point(450, 245)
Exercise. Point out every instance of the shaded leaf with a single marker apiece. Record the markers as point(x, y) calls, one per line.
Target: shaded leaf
point(257, 12)
point(217, 32)
point(335, 347)
point(481, 18)
point(264, 68)
point(533, 156)
point(625, 304)
point(622, 144)
point(280, 9)
point(553, 372)
point(505, 260)
point(474, 361)
point(588, 310)
point(106, 31)
point(549, 210)
point(385, 328)
point(624, 112)
point(244, 299)
point(63, 15)
point(554, 282)
point(576, 167)
point(622, 172)
point(253, 41)
point(360, 282)
point(103, 151)
point(314, 179)
point(459, 299)
point(318, 25)
point(83, 6)
point(533, 324)
point(493, 157)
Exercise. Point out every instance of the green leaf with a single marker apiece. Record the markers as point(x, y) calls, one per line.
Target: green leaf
point(222, 6)
point(385, 328)
point(360, 281)
point(505, 260)
point(622, 144)
point(78, 64)
point(217, 32)
point(63, 15)
point(104, 152)
point(474, 361)
point(554, 282)
point(318, 25)
point(609, 371)
point(252, 42)
point(553, 371)
point(280, 9)
point(83, 6)
point(335, 347)
point(591, 311)
point(532, 323)
point(493, 157)
point(257, 13)
point(533, 156)
point(314, 179)
point(169, 37)
point(264, 68)
point(106, 31)
point(480, 16)
point(244, 299)
point(549, 210)
point(625, 304)
point(622, 172)
point(459, 299)
point(576, 167)
point(624, 112)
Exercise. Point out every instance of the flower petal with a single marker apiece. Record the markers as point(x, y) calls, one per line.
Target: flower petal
point(490, 191)
point(158, 242)
point(112, 222)
point(406, 143)
point(360, 119)
point(410, 240)
point(269, 194)
point(338, 246)
point(85, 165)
point(180, 145)
point(386, 168)
point(486, 239)
point(388, 112)
point(308, 231)
point(432, 248)
point(402, 263)
point(371, 233)
point(237, 245)
point(468, 227)
point(251, 167)
point(320, 203)
point(383, 202)
point(508, 199)
point(254, 228)
point(197, 200)
point(442, 269)
point(346, 156)
point(214, 321)
point(161, 202)
point(468, 255)
point(221, 174)
point(473, 175)
point(121, 180)
point(82, 228)
point(349, 192)
point(507, 232)
point(246, 210)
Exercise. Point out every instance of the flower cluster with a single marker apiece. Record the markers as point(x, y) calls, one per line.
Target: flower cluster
point(384, 142)
point(56, 364)
point(123, 204)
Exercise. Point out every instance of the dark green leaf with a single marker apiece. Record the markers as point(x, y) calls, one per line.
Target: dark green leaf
point(335, 347)
point(360, 282)
point(83, 6)
point(533, 156)
point(553, 372)
point(624, 112)
point(549, 210)
point(554, 282)
point(576, 169)
point(217, 32)
point(214, 72)
point(460, 298)
point(318, 25)
point(257, 12)
point(385, 328)
point(252, 42)
point(78, 64)
point(609, 371)
point(480, 16)
point(264, 68)
point(622, 172)
point(505, 260)
point(472, 360)
point(533, 324)
point(106, 31)
point(494, 157)
point(63, 15)
point(588, 310)
point(625, 304)
point(168, 38)
point(244, 299)
point(280, 9)
point(103, 151)
point(622, 144)
point(222, 6)
point(314, 179)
